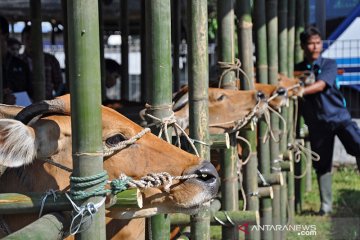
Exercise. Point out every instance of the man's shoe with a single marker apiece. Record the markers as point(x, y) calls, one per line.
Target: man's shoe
point(322, 213)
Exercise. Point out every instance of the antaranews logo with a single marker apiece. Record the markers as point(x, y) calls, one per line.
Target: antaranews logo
point(302, 230)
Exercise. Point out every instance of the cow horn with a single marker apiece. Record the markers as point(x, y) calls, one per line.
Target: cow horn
point(59, 105)
point(181, 102)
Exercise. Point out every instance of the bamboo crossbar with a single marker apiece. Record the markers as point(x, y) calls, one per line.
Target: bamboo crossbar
point(220, 141)
point(237, 217)
point(16, 203)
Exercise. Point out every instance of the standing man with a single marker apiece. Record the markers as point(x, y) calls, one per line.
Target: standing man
point(16, 75)
point(53, 77)
point(325, 114)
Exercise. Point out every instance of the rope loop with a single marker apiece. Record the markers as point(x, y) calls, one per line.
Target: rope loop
point(77, 184)
point(230, 66)
point(43, 199)
point(84, 214)
point(164, 123)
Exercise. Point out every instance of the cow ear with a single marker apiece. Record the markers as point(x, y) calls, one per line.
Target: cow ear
point(17, 143)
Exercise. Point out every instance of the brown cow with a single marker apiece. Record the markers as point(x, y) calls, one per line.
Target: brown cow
point(226, 107)
point(49, 137)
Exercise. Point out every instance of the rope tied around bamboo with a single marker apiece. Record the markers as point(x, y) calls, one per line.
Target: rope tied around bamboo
point(229, 67)
point(164, 123)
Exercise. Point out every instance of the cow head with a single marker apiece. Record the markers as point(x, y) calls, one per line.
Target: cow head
point(277, 96)
point(50, 137)
point(294, 86)
point(226, 107)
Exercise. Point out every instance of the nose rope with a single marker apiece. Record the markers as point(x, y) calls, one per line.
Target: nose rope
point(229, 66)
point(164, 123)
point(155, 180)
point(238, 124)
point(268, 123)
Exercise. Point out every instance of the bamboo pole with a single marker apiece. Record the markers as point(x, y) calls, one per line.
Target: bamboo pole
point(245, 56)
point(272, 31)
point(226, 46)
point(102, 55)
point(272, 179)
point(38, 71)
point(299, 27)
point(158, 62)
point(220, 141)
point(50, 226)
point(229, 186)
point(124, 22)
point(226, 53)
point(237, 217)
point(290, 137)
point(263, 148)
point(176, 20)
point(16, 203)
point(265, 192)
point(85, 85)
point(198, 73)
point(144, 85)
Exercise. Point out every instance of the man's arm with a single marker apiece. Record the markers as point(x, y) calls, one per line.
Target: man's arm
point(316, 87)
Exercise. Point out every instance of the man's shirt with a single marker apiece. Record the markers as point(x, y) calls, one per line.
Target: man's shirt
point(16, 74)
point(328, 105)
point(53, 77)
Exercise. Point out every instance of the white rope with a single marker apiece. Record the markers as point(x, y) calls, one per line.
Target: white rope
point(163, 125)
point(262, 179)
point(157, 180)
point(83, 213)
point(43, 199)
point(229, 66)
point(123, 144)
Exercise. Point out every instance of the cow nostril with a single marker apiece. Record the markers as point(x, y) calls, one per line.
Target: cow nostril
point(207, 173)
point(260, 95)
point(281, 91)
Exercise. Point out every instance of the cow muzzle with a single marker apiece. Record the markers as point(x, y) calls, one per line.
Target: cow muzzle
point(207, 175)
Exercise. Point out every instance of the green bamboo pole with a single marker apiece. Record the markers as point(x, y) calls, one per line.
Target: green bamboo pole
point(245, 56)
point(283, 69)
point(237, 217)
point(226, 53)
point(50, 226)
point(198, 97)
point(65, 39)
point(158, 62)
point(85, 85)
point(263, 148)
point(102, 56)
point(272, 33)
point(220, 141)
point(38, 80)
point(229, 186)
point(124, 49)
point(291, 43)
point(272, 179)
point(144, 85)
point(176, 18)
point(16, 203)
point(226, 46)
point(299, 27)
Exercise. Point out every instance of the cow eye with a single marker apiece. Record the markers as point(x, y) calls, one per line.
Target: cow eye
point(113, 140)
point(221, 97)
